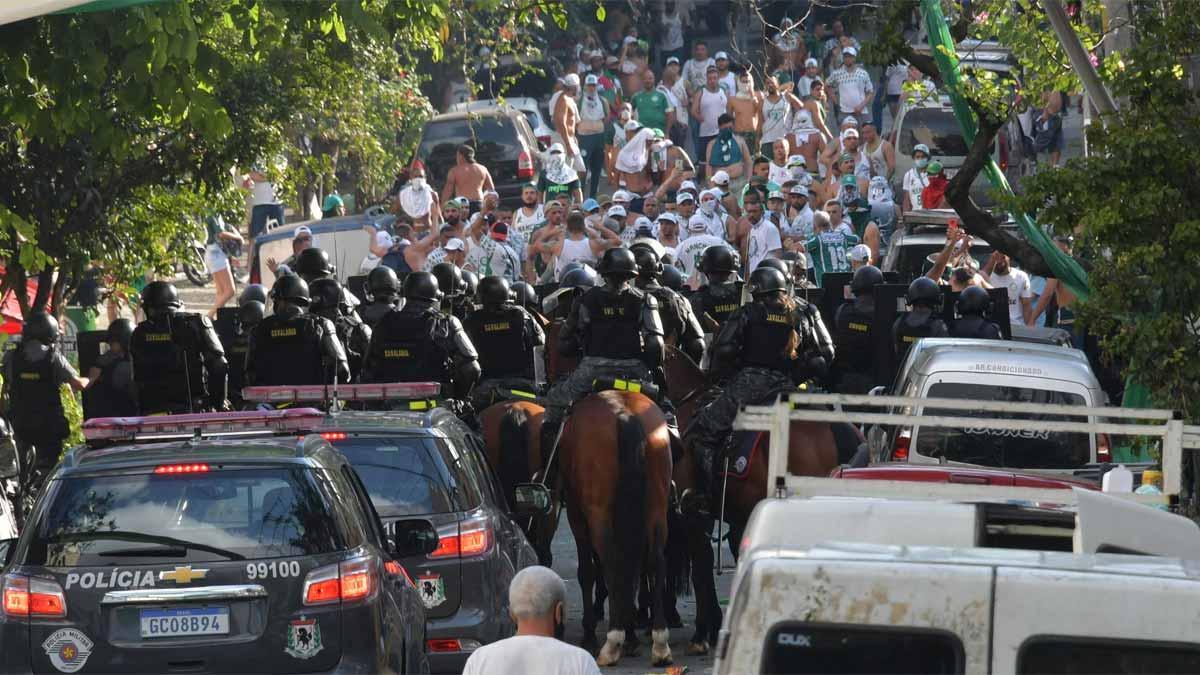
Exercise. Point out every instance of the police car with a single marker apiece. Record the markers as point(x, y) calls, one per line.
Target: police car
point(424, 462)
point(213, 553)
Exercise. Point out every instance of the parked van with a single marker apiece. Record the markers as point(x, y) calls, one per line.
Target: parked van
point(346, 239)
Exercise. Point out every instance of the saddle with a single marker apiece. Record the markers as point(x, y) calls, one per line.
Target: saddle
point(647, 389)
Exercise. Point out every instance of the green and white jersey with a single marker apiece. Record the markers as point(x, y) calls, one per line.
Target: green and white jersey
point(830, 252)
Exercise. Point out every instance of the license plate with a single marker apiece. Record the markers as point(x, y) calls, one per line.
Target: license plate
point(161, 623)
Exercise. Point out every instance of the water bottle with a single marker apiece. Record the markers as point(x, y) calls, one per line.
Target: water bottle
point(1151, 485)
point(1119, 479)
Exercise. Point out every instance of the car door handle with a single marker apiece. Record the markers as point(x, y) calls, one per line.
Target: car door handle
point(967, 479)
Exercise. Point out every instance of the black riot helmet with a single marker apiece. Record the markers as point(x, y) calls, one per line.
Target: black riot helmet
point(717, 259)
point(325, 294)
point(42, 327)
point(493, 291)
point(251, 313)
point(313, 263)
point(159, 297)
point(924, 292)
point(648, 264)
point(767, 280)
point(865, 278)
point(776, 264)
point(382, 282)
point(290, 288)
point(974, 300)
point(524, 295)
point(422, 286)
point(471, 283)
point(672, 278)
point(580, 277)
point(120, 331)
point(618, 263)
point(253, 293)
point(449, 278)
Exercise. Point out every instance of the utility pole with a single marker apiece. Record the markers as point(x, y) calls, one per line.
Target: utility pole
point(1081, 61)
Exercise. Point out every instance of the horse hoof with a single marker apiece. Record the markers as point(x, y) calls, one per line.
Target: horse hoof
point(610, 654)
point(697, 649)
point(660, 652)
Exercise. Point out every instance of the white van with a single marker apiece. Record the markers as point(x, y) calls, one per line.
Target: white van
point(346, 239)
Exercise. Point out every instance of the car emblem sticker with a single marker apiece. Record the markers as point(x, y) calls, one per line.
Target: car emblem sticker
point(433, 589)
point(68, 649)
point(182, 575)
point(304, 638)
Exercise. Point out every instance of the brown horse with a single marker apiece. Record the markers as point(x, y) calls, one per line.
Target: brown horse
point(512, 437)
point(615, 455)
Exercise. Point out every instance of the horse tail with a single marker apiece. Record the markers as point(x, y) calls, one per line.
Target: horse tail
point(514, 449)
point(679, 559)
point(629, 517)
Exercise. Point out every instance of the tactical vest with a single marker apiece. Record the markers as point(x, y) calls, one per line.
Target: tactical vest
point(235, 353)
point(166, 361)
point(615, 331)
point(374, 311)
point(37, 411)
point(765, 337)
point(107, 400)
point(668, 311)
point(288, 351)
point(404, 349)
point(853, 337)
point(975, 326)
point(720, 300)
point(499, 337)
point(914, 326)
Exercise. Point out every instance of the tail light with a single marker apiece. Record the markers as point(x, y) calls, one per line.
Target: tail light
point(333, 435)
point(469, 538)
point(1103, 448)
point(448, 645)
point(900, 449)
point(345, 582)
point(524, 165)
point(33, 597)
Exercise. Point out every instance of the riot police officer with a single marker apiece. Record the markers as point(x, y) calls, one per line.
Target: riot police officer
point(313, 263)
point(110, 387)
point(525, 297)
point(252, 308)
point(292, 346)
point(924, 297)
point(178, 363)
point(574, 282)
point(326, 301)
point(384, 288)
point(680, 326)
point(505, 335)
point(824, 341)
point(772, 345)
point(672, 278)
point(618, 329)
point(854, 368)
point(450, 283)
point(715, 302)
point(420, 343)
point(973, 303)
point(33, 373)
point(471, 285)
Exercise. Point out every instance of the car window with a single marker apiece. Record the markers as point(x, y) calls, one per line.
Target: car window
point(363, 499)
point(794, 647)
point(464, 471)
point(531, 117)
point(1074, 655)
point(494, 138)
point(934, 127)
point(400, 474)
point(1000, 448)
point(912, 260)
point(487, 477)
point(221, 514)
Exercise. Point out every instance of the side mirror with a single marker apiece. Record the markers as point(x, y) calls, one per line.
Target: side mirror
point(414, 538)
point(7, 546)
point(877, 391)
point(531, 499)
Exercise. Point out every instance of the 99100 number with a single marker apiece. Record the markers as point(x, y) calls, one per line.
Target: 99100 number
point(273, 570)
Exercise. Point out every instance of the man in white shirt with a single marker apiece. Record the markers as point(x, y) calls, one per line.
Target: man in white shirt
point(691, 249)
point(851, 86)
point(1020, 294)
point(694, 69)
point(725, 77)
point(762, 239)
point(537, 601)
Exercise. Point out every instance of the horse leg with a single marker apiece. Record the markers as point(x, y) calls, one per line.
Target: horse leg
point(644, 615)
point(703, 585)
point(601, 591)
point(660, 652)
point(586, 572)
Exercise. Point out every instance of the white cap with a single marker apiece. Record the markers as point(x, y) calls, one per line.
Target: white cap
point(775, 194)
point(721, 55)
point(720, 178)
point(643, 221)
point(455, 244)
point(688, 185)
point(596, 53)
point(797, 160)
point(300, 232)
point(850, 50)
point(622, 196)
point(697, 224)
point(633, 125)
point(798, 189)
point(615, 211)
point(850, 133)
point(668, 216)
point(811, 62)
point(681, 197)
point(629, 39)
point(860, 253)
point(850, 121)
point(591, 79)
point(571, 80)
point(673, 59)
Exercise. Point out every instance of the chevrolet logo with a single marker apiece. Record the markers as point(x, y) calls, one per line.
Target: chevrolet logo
point(183, 575)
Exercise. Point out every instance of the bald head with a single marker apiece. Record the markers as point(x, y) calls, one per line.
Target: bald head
point(534, 594)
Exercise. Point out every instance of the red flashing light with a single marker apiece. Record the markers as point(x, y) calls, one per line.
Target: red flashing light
point(334, 435)
point(174, 469)
point(443, 645)
point(900, 451)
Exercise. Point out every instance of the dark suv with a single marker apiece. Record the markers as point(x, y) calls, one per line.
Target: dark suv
point(261, 554)
point(503, 141)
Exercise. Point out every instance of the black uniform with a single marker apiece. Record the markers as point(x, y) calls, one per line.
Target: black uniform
point(355, 336)
point(854, 369)
point(419, 343)
point(33, 374)
point(112, 394)
point(172, 353)
point(975, 326)
point(679, 321)
point(717, 301)
point(294, 347)
point(919, 323)
point(505, 337)
point(375, 310)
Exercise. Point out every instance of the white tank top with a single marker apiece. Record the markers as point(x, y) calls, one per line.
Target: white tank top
point(712, 104)
point(777, 119)
point(878, 161)
point(572, 251)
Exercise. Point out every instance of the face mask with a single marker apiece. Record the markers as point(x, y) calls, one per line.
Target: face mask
point(743, 87)
point(418, 183)
point(708, 206)
point(725, 134)
point(921, 163)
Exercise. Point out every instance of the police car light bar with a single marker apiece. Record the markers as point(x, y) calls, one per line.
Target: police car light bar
point(117, 428)
point(345, 392)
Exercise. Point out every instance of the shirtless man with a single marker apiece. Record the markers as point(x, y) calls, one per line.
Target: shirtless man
point(679, 169)
point(744, 106)
point(566, 119)
point(577, 242)
point(815, 104)
point(467, 179)
point(638, 182)
point(806, 139)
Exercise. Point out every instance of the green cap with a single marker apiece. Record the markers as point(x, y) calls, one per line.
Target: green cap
point(934, 168)
point(332, 202)
point(849, 179)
